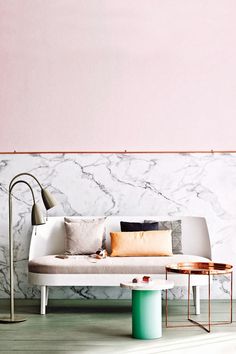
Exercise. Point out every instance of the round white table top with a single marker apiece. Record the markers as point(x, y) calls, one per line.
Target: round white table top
point(157, 284)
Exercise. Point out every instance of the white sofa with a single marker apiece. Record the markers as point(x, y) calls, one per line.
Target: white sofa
point(45, 270)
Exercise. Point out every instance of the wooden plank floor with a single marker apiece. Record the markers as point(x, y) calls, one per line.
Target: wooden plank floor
point(104, 326)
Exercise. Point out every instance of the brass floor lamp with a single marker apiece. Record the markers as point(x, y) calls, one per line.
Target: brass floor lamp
point(36, 219)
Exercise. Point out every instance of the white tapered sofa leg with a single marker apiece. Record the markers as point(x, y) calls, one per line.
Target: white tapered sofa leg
point(47, 293)
point(43, 300)
point(196, 299)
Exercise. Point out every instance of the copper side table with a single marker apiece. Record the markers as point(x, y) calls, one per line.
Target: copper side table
point(202, 268)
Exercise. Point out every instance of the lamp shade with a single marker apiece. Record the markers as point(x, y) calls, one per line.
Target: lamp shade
point(37, 216)
point(48, 199)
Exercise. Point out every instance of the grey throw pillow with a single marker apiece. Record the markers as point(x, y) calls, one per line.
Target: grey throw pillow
point(78, 218)
point(175, 226)
point(83, 236)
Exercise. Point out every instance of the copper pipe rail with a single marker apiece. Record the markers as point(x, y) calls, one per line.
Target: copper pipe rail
point(120, 152)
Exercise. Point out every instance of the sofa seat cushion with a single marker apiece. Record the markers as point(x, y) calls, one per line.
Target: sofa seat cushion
point(81, 264)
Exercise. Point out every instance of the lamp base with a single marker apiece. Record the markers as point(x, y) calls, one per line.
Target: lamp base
point(16, 319)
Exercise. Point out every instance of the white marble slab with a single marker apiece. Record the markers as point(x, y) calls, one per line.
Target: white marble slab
point(125, 184)
point(154, 285)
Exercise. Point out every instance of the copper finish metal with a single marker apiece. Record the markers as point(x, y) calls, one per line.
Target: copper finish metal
point(209, 302)
point(202, 268)
point(231, 299)
point(120, 152)
point(188, 296)
point(166, 304)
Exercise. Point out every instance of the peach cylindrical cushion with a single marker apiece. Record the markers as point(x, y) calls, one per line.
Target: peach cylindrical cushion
point(143, 243)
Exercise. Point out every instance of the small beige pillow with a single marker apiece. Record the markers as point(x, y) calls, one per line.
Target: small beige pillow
point(143, 243)
point(84, 236)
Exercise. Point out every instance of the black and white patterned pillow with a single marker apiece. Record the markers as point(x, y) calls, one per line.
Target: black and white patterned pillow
point(175, 226)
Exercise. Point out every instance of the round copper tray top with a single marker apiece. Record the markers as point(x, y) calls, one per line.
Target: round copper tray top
point(200, 268)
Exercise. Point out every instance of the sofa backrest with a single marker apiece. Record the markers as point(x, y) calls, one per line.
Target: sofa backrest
point(49, 238)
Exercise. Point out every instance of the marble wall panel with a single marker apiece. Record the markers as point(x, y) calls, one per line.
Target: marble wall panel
point(120, 184)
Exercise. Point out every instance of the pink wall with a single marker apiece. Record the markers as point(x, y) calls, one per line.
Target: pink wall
point(117, 74)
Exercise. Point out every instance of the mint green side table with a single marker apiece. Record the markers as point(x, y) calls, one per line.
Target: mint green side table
point(146, 308)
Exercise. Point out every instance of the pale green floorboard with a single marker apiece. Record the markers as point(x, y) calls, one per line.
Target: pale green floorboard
point(104, 326)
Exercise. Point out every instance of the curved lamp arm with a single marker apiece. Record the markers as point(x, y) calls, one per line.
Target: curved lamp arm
point(48, 199)
point(11, 186)
point(25, 174)
point(36, 215)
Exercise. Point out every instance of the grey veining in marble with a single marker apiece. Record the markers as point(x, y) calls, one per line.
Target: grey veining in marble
point(125, 184)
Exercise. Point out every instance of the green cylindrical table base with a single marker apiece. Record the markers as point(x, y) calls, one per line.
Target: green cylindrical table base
point(146, 314)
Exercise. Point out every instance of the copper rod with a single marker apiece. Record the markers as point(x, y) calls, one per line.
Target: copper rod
point(231, 298)
point(195, 323)
point(199, 324)
point(166, 304)
point(189, 296)
point(209, 302)
point(119, 152)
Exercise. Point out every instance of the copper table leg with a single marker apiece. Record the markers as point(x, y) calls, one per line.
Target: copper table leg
point(176, 326)
point(209, 307)
point(166, 304)
point(209, 323)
